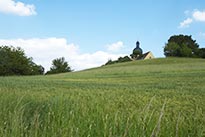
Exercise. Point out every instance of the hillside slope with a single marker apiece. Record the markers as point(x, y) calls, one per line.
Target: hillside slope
point(160, 97)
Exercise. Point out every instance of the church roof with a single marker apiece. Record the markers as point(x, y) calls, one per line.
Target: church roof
point(144, 56)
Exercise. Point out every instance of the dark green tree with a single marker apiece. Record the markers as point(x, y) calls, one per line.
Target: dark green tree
point(59, 65)
point(13, 61)
point(37, 69)
point(124, 59)
point(201, 52)
point(109, 62)
point(181, 46)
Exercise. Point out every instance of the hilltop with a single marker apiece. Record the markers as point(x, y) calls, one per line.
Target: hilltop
point(162, 65)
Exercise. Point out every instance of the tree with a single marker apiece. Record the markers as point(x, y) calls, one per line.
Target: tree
point(124, 59)
point(37, 69)
point(109, 62)
point(181, 46)
point(201, 52)
point(59, 65)
point(13, 61)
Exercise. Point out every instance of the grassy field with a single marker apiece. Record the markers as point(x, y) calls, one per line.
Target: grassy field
point(160, 97)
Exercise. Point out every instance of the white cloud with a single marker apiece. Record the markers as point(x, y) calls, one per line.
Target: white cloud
point(199, 15)
point(115, 47)
point(186, 23)
point(17, 8)
point(44, 51)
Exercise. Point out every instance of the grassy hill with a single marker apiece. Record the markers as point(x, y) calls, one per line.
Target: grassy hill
point(160, 97)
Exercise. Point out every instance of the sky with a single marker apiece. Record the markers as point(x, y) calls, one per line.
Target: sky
point(89, 32)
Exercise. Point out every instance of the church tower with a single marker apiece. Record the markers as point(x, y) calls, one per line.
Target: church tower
point(138, 49)
point(137, 53)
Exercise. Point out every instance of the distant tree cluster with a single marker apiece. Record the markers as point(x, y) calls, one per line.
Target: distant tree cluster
point(120, 60)
point(13, 61)
point(183, 46)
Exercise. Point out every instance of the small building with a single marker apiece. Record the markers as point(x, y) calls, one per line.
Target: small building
point(147, 55)
point(138, 53)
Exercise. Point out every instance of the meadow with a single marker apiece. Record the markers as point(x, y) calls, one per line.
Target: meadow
point(159, 97)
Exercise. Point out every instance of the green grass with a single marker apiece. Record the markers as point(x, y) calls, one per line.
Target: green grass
point(160, 97)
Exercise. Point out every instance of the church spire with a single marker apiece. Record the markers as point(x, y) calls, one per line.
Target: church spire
point(137, 44)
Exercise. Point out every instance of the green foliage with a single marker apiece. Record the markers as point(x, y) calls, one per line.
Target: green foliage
point(161, 97)
point(109, 62)
point(124, 59)
point(120, 60)
point(181, 46)
point(59, 65)
point(201, 52)
point(185, 51)
point(13, 61)
point(37, 69)
point(171, 49)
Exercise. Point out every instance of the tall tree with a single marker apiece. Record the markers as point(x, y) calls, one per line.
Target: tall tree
point(59, 65)
point(181, 46)
point(13, 61)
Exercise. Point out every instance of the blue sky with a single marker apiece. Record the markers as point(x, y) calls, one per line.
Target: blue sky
point(90, 28)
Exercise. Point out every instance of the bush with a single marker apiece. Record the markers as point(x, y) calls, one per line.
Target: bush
point(13, 61)
point(59, 65)
point(120, 59)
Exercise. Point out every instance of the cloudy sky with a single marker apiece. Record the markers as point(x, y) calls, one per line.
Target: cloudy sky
point(89, 32)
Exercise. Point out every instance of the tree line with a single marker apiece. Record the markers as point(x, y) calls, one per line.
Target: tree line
point(13, 61)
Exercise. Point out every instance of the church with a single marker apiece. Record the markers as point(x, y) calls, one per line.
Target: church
point(138, 54)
